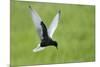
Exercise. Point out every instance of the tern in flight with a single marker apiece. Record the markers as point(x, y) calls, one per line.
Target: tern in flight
point(44, 33)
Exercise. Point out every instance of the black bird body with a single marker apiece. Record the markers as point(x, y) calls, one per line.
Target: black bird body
point(46, 41)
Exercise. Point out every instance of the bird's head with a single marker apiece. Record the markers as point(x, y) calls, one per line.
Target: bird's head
point(55, 44)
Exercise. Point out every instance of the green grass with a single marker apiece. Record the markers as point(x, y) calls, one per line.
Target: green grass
point(75, 34)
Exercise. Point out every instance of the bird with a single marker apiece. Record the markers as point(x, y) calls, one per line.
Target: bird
point(45, 34)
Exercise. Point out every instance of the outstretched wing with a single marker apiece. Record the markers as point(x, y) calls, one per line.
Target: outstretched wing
point(37, 21)
point(54, 24)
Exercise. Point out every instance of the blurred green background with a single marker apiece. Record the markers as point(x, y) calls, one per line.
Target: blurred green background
point(75, 34)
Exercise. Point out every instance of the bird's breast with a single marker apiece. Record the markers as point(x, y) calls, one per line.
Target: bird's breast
point(46, 42)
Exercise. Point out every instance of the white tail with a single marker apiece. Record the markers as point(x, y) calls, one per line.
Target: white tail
point(38, 48)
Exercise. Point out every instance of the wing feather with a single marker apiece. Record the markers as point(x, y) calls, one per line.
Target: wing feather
point(54, 24)
point(37, 21)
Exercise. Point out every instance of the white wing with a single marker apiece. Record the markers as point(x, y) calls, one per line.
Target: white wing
point(54, 24)
point(37, 21)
